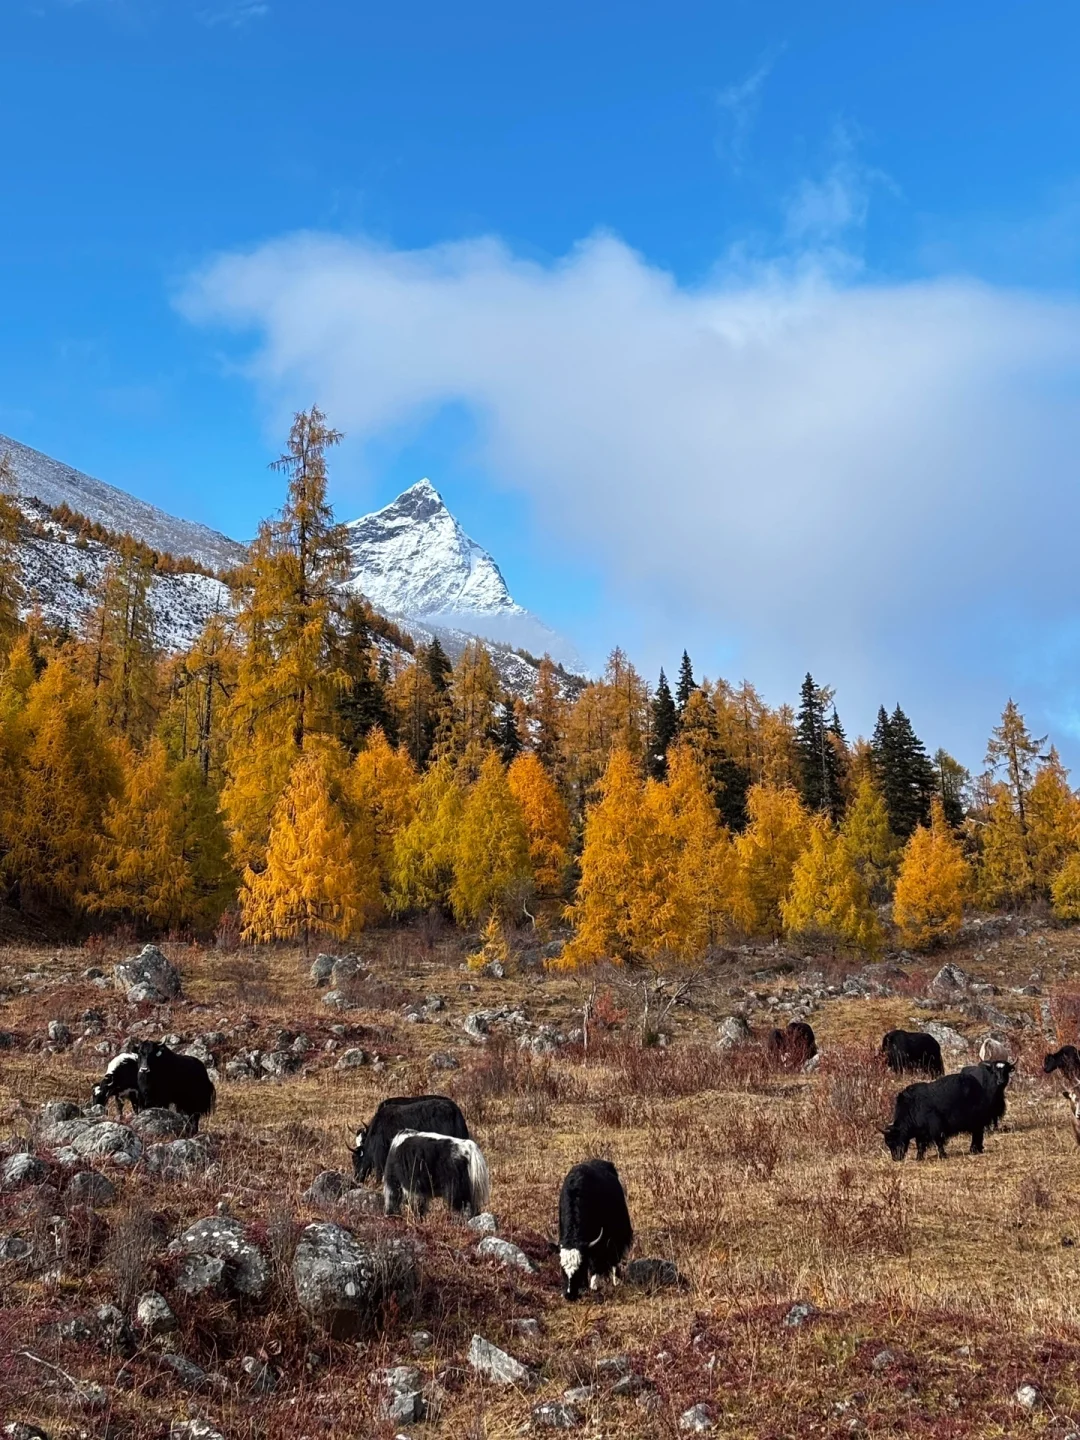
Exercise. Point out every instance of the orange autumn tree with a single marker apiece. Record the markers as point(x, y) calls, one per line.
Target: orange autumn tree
point(768, 849)
point(547, 821)
point(934, 881)
point(381, 789)
point(492, 871)
point(828, 897)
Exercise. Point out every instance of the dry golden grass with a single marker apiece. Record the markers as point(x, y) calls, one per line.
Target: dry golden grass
point(765, 1188)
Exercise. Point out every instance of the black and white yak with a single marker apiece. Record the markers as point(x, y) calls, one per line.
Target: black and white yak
point(595, 1233)
point(423, 1166)
point(433, 1114)
point(932, 1112)
point(171, 1081)
point(907, 1050)
point(120, 1082)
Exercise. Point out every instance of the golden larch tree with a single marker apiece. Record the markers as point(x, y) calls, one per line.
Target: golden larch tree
point(425, 848)
point(492, 869)
point(1053, 814)
point(313, 882)
point(828, 897)
point(381, 788)
point(866, 834)
point(776, 835)
point(547, 821)
point(933, 883)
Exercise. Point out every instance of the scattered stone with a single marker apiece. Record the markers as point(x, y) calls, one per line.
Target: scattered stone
point(279, 1063)
point(528, 1327)
point(343, 1283)
point(404, 1397)
point(179, 1159)
point(883, 1359)
point(444, 1060)
point(697, 1420)
point(945, 1035)
point(949, 981)
point(485, 1222)
point(108, 1141)
point(328, 1187)
point(630, 1385)
point(240, 1267)
point(322, 967)
point(652, 1274)
point(153, 1314)
point(336, 1000)
point(346, 971)
point(188, 1375)
point(59, 1034)
point(22, 1170)
point(244, 1067)
point(147, 976)
point(157, 1122)
point(352, 1060)
point(495, 1364)
point(113, 1331)
point(87, 1187)
point(57, 1111)
point(732, 1032)
point(799, 1314)
point(193, 1430)
point(421, 1341)
point(555, 1415)
point(613, 1365)
point(479, 1025)
point(1028, 1397)
point(260, 1377)
point(301, 1045)
point(18, 1431)
point(362, 1202)
point(579, 1394)
point(15, 1248)
point(505, 1253)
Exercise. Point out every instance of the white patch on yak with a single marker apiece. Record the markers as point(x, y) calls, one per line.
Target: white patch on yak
point(570, 1262)
point(118, 1061)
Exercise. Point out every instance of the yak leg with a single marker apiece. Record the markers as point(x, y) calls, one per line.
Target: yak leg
point(977, 1142)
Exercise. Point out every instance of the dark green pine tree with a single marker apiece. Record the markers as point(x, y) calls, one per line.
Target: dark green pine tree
point(838, 741)
point(508, 741)
point(904, 771)
point(731, 783)
point(439, 669)
point(665, 727)
point(686, 683)
point(362, 702)
point(819, 756)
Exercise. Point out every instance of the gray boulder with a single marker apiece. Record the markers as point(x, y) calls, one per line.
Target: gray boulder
point(697, 1420)
point(194, 1430)
point(328, 1187)
point(153, 1314)
point(59, 1034)
point(505, 1253)
point(479, 1025)
point(13, 1248)
point(352, 1060)
point(147, 977)
point(56, 1111)
point(345, 971)
point(322, 967)
point(949, 981)
point(946, 1036)
point(158, 1123)
point(260, 1378)
point(87, 1187)
point(342, 1283)
point(403, 1400)
point(485, 1223)
point(555, 1415)
point(732, 1032)
point(21, 1170)
point(495, 1364)
point(240, 1269)
point(178, 1159)
point(652, 1274)
point(108, 1141)
point(188, 1375)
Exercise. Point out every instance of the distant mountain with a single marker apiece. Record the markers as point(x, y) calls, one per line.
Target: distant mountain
point(414, 562)
point(39, 477)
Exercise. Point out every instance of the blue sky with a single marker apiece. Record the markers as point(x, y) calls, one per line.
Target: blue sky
point(743, 326)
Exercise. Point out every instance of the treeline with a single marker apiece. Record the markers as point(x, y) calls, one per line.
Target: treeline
point(159, 561)
point(296, 775)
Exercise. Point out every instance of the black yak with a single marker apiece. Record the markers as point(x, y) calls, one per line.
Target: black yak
point(595, 1233)
point(433, 1114)
point(422, 1167)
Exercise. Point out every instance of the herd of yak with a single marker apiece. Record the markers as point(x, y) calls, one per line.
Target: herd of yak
point(420, 1149)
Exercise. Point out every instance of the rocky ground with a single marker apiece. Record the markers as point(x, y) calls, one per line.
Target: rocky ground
point(789, 1279)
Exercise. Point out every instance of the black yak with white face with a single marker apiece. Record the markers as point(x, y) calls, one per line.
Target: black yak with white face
point(912, 1050)
point(177, 1082)
point(595, 1233)
point(120, 1082)
point(433, 1114)
point(422, 1167)
point(1067, 1059)
point(932, 1112)
point(993, 1076)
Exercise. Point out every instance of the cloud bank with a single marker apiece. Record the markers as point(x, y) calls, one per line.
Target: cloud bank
point(876, 481)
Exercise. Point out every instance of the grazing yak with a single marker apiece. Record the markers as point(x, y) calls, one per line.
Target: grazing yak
point(120, 1082)
point(1066, 1059)
point(909, 1050)
point(932, 1112)
point(433, 1114)
point(595, 1233)
point(793, 1045)
point(993, 1077)
point(171, 1081)
point(422, 1167)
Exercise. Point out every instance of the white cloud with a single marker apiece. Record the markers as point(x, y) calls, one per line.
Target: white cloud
point(873, 481)
point(234, 15)
point(738, 104)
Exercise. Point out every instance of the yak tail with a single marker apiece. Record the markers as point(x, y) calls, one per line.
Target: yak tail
point(479, 1179)
point(213, 1099)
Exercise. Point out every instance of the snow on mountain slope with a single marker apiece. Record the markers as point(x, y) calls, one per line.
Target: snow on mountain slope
point(39, 477)
point(413, 561)
point(61, 574)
